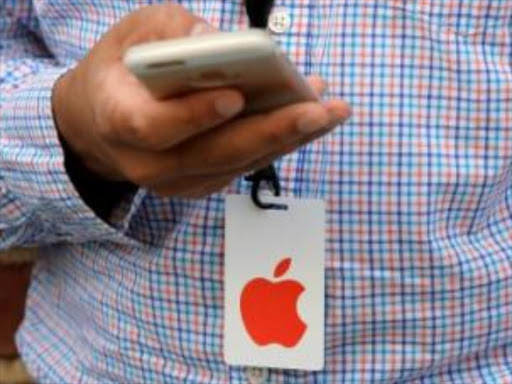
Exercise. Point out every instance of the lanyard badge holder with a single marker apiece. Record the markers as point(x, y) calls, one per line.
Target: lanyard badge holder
point(274, 280)
point(258, 12)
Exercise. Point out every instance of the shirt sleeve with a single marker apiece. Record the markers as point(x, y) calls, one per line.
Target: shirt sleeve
point(39, 204)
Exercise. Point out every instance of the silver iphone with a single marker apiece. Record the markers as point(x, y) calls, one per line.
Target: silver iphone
point(249, 61)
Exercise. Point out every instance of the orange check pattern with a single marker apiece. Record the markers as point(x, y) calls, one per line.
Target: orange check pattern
point(418, 185)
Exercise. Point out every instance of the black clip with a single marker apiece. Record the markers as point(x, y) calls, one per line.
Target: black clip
point(269, 175)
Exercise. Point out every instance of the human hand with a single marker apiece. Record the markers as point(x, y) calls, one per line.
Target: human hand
point(189, 145)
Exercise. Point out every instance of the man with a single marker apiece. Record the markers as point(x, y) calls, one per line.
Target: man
point(128, 286)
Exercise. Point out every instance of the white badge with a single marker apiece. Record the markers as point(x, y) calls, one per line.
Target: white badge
point(274, 284)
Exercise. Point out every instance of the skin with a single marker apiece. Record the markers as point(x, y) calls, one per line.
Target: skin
point(181, 146)
point(187, 146)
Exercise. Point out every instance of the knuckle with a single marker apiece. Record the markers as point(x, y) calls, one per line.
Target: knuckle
point(169, 16)
point(187, 118)
point(137, 130)
point(170, 11)
point(274, 134)
point(205, 112)
point(162, 13)
point(198, 112)
point(274, 138)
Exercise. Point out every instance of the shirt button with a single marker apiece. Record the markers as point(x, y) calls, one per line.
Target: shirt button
point(256, 375)
point(279, 21)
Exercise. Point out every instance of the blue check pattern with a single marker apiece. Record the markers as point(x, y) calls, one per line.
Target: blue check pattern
point(418, 186)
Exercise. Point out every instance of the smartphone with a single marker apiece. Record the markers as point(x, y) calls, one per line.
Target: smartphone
point(248, 60)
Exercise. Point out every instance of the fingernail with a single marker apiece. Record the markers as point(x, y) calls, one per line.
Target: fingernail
point(229, 106)
point(310, 124)
point(339, 115)
point(201, 29)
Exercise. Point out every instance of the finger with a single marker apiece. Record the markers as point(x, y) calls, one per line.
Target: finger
point(241, 142)
point(231, 149)
point(156, 170)
point(291, 147)
point(163, 171)
point(155, 22)
point(339, 111)
point(143, 122)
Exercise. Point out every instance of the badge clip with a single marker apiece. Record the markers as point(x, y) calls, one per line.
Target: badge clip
point(269, 175)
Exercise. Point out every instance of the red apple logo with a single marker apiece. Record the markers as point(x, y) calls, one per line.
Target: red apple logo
point(269, 309)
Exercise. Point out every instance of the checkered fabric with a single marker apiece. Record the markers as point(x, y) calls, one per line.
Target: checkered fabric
point(418, 185)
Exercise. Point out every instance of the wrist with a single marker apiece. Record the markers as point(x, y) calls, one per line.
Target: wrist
point(74, 122)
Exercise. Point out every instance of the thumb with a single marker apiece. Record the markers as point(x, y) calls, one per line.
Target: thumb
point(202, 28)
point(158, 22)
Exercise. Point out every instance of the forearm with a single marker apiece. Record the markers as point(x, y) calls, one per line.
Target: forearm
point(88, 184)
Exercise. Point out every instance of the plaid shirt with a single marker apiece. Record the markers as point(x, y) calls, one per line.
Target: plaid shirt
point(418, 186)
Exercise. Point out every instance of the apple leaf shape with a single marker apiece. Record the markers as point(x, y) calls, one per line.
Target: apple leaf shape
point(282, 267)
